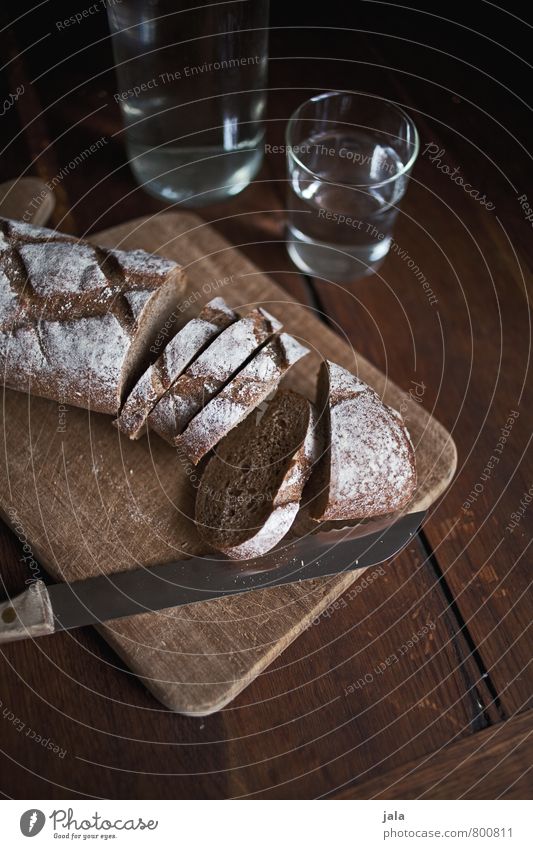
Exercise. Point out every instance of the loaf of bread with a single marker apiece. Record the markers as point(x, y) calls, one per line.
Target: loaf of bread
point(250, 386)
point(79, 324)
point(250, 490)
point(187, 344)
point(76, 321)
point(368, 465)
point(209, 372)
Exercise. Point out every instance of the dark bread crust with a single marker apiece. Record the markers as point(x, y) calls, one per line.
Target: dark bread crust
point(185, 346)
point(368, 466)
point(210, 372)
point(77, 321)
point(240, 396)
point(316, 494)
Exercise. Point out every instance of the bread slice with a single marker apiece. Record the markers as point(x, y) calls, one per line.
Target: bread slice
point(188, 342)
point(368, 466)
point(250, 490)
point(208, 374)
point(240, 396)
point(77, 321)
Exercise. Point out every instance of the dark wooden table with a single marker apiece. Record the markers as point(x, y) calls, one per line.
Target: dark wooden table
point(453, 716)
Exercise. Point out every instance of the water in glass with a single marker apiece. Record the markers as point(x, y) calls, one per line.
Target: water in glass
point(192, 91)
point(342, 202)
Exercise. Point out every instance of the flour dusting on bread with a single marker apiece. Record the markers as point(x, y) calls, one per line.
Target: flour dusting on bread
point(77, 321)
point(368, 468)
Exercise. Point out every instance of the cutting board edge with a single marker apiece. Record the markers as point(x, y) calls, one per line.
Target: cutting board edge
point(438, 473)
point(427, 501)
point(167, 697)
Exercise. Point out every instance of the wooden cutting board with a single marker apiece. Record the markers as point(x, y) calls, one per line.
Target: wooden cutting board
point(90, 501)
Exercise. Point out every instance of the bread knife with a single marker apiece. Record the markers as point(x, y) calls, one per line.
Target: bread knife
point(44, 609)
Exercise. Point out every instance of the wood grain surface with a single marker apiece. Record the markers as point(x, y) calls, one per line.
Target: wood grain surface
point(498, 761)
point(471, 353)
point(93, 502)
point(323, 717)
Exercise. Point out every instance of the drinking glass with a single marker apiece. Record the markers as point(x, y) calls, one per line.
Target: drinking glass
point(349, 157)
point(192, 90)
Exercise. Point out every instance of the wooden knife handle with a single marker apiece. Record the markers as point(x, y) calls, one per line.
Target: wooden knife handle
point(27, 615)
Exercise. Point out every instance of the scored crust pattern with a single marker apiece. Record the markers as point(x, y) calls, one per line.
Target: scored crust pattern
point(210, 372)
point(240, 396)
point(188, 342)
point(69, 313)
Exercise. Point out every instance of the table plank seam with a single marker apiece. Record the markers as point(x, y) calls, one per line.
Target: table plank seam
point(455, 610)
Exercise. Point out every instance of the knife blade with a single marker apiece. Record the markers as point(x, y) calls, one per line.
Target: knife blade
point(45, 609)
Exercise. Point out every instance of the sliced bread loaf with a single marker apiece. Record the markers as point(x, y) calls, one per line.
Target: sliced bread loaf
point(188, 342)
point(368, 466)
point(250, 490)
point(240, 396)
point(209, 372)
point(76, 321)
